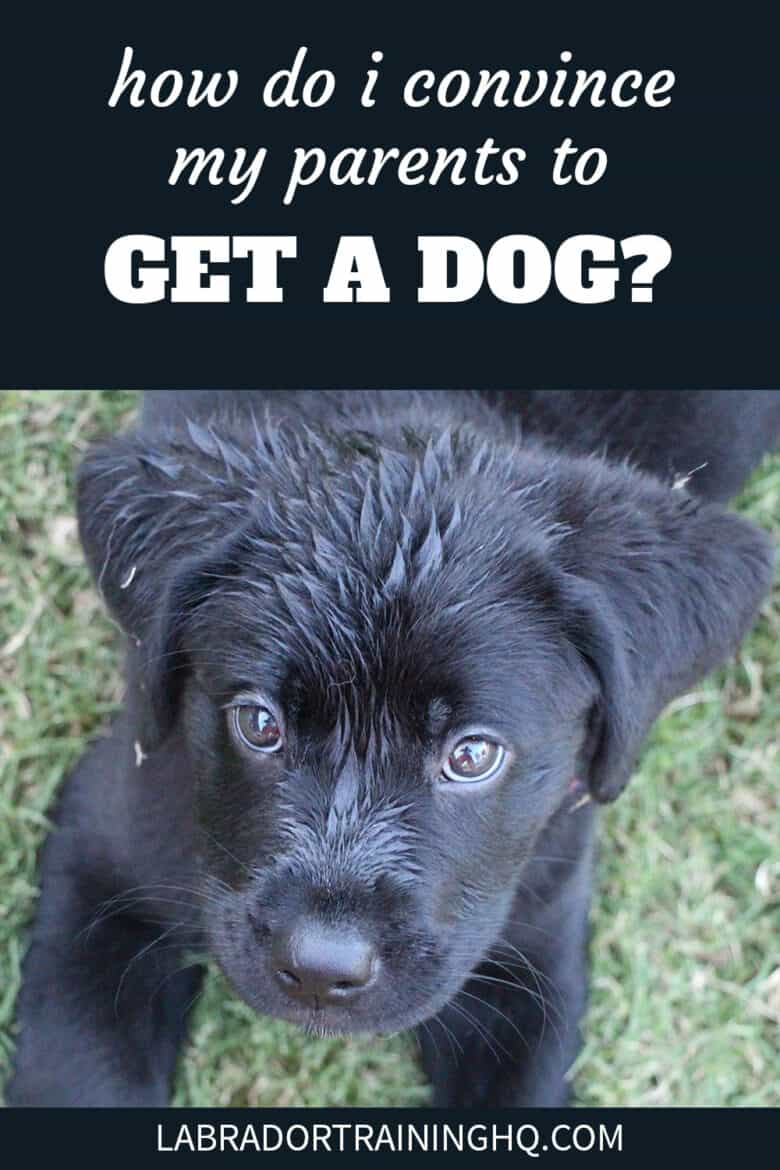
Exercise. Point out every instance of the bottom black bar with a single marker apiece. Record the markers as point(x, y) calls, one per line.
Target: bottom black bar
point(535, 1135)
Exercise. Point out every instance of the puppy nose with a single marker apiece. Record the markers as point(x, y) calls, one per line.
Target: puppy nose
point(321, 964)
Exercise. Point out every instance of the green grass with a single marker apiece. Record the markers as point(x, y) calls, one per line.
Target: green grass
point(685, 1004)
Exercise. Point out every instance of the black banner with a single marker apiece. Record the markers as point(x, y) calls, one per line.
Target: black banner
point(645, 140)
point(531, 1136)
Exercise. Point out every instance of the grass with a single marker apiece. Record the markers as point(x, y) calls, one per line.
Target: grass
point(685, 1002)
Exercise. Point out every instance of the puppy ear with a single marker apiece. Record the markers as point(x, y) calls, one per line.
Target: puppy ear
point(661, 589)
point(154, 521)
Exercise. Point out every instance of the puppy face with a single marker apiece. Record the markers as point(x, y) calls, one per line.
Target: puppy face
point(386, 664)
point(376, 763)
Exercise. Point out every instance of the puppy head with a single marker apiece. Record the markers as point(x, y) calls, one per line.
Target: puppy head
point(388, 663)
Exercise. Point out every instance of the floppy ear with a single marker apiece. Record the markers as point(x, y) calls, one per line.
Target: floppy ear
point(156, 521)
point(661, 588)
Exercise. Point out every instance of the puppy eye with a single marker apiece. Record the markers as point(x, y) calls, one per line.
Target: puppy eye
point(257, 728)
point(474, 758)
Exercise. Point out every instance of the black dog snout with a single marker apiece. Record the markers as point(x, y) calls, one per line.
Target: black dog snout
point(322, 964)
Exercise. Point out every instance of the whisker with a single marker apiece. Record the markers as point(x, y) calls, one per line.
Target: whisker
point(551, 857)
point(191, 1002)
point(125, 900)
point(538, 976)
point(516, 982)
point(497, 1010)
point(194, 961)
point(522, 925)
point(226, 851)
point(451, 1037)
point(480, 1030)
point(537, 999)
point(139, 955)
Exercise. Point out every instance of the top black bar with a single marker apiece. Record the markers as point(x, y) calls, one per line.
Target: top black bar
point(689, 162)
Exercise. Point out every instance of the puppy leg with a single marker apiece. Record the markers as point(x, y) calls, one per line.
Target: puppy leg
point(509, 1036)
point(105, 990)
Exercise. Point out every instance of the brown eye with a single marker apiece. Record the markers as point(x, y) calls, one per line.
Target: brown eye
point(474, 758)
point(257, 727)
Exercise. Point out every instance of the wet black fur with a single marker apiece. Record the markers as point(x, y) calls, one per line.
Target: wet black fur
point(391, 568)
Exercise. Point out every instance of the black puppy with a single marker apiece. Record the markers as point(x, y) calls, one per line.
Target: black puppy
point(380, 646)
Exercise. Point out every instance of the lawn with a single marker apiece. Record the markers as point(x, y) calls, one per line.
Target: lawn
point(685, 1001)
